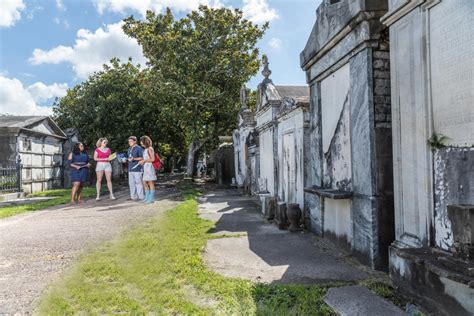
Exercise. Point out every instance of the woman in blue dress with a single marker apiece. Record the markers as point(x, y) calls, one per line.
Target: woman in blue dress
point(79, 167)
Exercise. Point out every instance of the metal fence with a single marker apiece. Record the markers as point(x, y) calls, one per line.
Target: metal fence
point(10, 178)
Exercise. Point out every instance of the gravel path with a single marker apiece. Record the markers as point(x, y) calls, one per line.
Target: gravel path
point(36, 247)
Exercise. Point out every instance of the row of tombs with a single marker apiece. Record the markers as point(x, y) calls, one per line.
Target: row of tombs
point(378, 151)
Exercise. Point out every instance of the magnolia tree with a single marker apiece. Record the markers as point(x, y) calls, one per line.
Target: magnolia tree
point(200, 62)
point(184, 99)
point(119, 101)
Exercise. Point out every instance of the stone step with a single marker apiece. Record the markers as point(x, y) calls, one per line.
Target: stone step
point(24, 201)
point(356, 300)
point(5, 197)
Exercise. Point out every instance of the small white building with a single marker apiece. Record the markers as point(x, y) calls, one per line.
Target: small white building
point(37, 142)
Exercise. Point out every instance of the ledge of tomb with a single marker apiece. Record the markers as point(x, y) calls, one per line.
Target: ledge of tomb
point(330, 193)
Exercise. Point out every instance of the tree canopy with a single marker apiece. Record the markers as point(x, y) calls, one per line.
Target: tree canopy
point(186, 97)
point(202, 61)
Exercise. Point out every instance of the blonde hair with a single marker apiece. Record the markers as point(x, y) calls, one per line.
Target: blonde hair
point(100, 141)
point(146, 141)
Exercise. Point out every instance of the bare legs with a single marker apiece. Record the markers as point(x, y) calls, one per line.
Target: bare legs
point(152, 185)
point(98, 184)
point(79, 193)
point(76, 187)
point(108, 178)
point(149, 185)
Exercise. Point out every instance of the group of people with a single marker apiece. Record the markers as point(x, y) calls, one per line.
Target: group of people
point(141, 172)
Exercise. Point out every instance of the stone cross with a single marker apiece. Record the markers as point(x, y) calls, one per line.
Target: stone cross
point(266, 72)
point(243, 97)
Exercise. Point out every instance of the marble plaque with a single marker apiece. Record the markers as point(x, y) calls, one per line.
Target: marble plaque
point(266, 159)
point(451, 39)
point(333, 95)
point(338, 219)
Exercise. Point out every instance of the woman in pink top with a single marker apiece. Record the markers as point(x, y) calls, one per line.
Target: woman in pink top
point(101, 156)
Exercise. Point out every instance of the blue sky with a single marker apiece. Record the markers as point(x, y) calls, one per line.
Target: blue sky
point(47, 46)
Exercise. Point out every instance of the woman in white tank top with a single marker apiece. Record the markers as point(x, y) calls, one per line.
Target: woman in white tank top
point(149, 173)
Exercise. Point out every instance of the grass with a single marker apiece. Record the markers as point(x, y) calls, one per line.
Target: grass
point(61, 196)
point(157, 267)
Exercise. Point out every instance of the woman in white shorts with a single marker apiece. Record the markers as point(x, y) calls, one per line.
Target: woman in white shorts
point(101, 156)
point(149, 173)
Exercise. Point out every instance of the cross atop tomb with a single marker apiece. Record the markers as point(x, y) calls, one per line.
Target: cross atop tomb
point(243, 97)
point(266, 72)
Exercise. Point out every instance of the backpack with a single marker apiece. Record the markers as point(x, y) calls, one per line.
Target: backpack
point(157, 162)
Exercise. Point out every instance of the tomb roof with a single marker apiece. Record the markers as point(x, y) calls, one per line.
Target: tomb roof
point(334, 20)
point(298, 93)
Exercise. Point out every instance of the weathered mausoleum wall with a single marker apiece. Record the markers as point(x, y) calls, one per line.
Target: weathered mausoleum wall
point(349, 195)
point(432, 68)
point(281, 125)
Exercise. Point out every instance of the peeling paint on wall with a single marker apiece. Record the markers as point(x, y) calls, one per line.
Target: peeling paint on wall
point(454, 184)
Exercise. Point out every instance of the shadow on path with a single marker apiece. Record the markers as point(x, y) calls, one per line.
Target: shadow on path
point(259, 251)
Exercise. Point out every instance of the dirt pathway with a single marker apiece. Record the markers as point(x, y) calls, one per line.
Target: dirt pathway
point(36, 247)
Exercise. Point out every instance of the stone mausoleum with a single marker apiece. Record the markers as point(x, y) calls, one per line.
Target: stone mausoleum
point(282, 125)
point(246, 149)
point(349, 187)
point(270, 145)
point(385, 149)
point(432, 82)
point(37, 142)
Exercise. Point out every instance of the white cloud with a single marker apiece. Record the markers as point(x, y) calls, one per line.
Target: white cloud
point(275, 42)
point(41, 92)
point(56, 55)
point(60, 5)
point(91, 50)
point(26, 74)
point(258, 11)
point(16, 100)
point(10, 12)
point(59, 21)
point(31, 11)
point(141, 6)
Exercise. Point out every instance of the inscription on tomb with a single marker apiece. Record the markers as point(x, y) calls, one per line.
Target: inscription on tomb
point(452, 70)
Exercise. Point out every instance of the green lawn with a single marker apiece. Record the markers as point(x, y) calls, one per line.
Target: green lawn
point(157, 268)
point(61, 196)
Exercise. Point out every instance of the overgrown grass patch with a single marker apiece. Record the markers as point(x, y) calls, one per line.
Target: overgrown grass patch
point(61, 196)
point(158, 267)
point(385, 290)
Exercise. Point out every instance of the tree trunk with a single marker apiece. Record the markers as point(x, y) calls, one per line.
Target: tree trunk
point(190, 160)
point(192, 150)
point(172, 163)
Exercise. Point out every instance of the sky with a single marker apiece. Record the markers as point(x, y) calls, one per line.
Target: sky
point(48, 46)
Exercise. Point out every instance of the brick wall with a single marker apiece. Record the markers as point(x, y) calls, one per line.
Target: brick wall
point(382, 102)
